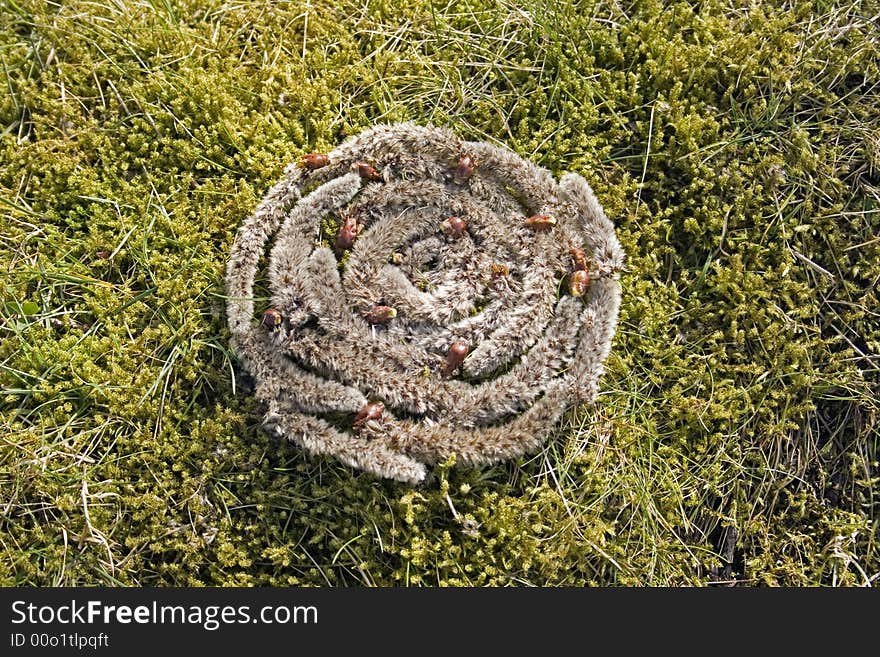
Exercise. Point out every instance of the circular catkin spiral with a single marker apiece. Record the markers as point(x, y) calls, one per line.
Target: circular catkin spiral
point(429, 296)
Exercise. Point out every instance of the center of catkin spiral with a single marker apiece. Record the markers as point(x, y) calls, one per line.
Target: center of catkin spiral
point(429, 296)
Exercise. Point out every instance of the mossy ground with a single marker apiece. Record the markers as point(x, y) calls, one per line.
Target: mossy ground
point(736, 146)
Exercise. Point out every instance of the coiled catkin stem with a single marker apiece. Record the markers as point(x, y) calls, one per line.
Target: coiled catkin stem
point(441, 318)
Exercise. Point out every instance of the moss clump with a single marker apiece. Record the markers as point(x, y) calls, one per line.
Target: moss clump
point(736, 149)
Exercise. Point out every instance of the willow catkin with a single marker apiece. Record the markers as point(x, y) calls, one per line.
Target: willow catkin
point(451, 313)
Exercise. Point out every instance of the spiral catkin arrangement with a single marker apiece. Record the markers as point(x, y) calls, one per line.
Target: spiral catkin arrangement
point(429, 296)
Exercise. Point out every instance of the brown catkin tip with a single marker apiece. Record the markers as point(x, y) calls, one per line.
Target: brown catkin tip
point(432, 317)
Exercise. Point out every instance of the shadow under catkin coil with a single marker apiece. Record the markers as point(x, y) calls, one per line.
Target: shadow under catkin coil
point(477, 301)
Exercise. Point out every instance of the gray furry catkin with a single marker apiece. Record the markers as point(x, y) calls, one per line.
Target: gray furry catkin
point(477, 301)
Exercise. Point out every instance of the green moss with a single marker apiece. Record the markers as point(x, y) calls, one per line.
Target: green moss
point(736, 150)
